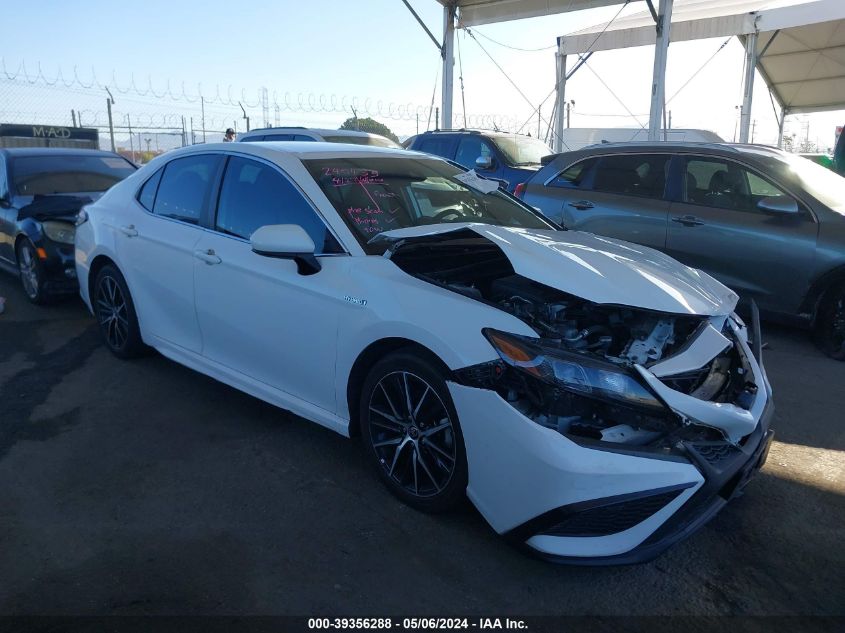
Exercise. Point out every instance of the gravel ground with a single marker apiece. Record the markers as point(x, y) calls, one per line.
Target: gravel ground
point(145, 488)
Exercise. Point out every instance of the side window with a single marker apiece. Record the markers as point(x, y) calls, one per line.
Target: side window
point(252, 139)
point(147, 194)
point(255, 195)
point(632, 174)
point(184, 187)
point(471, 148)
point(302, 137)
point(438, 146)
point(279, 137)
point(723, 184)
point(574, 176)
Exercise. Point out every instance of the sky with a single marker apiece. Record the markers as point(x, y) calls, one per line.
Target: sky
point(314, 57)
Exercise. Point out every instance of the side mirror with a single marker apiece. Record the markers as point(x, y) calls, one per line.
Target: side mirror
point(484, 162)
point(778, 204)
point(286, 241)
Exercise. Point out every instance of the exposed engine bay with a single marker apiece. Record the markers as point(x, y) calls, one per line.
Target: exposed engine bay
point(574, 334)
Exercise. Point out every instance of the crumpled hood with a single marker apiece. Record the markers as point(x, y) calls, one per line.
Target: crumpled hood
point(598, 269)
point(56, 206)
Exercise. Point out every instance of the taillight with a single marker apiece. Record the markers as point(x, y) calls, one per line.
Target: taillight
point(519, 190)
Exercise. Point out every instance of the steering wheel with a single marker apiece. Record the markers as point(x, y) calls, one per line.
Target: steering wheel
point(445, 213)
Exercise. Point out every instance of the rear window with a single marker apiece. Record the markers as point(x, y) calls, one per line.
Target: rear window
point(49, 175)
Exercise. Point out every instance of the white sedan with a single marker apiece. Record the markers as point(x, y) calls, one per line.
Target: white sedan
point(595, 400)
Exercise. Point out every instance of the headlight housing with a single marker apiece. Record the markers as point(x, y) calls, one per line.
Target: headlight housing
point(571, 371)
point(62, 232)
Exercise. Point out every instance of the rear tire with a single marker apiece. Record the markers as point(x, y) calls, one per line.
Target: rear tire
point(115, 314)
point(31, 272)
point(411, 432)
point(830, 324)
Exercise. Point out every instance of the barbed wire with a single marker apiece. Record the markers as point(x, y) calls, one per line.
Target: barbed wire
point(288, 102)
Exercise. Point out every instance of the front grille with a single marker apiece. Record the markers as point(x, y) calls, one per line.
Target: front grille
point(715, 452)
point(611, 519)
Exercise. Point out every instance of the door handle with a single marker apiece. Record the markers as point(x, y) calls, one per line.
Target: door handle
point(582, 205)
point(129, 231)
point(208, 256)
point(688, 220)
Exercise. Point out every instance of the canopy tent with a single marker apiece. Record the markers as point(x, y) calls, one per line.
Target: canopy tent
point(476, 12)
point(797, 46)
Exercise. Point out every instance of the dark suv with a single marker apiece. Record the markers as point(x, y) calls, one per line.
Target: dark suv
point(768, 224)
point(509, 158)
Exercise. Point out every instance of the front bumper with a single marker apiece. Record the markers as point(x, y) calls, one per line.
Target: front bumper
point(577, 504)
point(59, 267)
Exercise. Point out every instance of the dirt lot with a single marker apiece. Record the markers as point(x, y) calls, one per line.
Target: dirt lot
point(142, 487)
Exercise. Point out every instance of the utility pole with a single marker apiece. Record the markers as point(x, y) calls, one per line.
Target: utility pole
point(131, 144)
point(184, 133)
point(202, 105)
point(354, 117)
point(753, 128)
point(73, 117)
point(246, 118)
point(436, 118)
point(109, 103)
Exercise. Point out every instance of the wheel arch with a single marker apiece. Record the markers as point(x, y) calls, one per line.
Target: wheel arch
point(819, 289)
point(371, 355)
point(97, 265)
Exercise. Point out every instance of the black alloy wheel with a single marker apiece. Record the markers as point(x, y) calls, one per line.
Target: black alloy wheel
point(115, 313)
point(411, 432)
point(31, 272)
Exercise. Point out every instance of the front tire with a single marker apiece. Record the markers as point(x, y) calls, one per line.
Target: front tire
point(31, 272)
point(830, 325)
point(115, 314)
point(411, 432)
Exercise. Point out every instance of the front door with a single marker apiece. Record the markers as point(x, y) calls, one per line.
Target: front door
point(257, 314)
point(718, 227)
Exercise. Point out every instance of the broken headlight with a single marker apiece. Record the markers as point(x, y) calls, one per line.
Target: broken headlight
point(570, 371)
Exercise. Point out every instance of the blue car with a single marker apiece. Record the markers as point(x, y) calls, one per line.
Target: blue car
point(509, 158)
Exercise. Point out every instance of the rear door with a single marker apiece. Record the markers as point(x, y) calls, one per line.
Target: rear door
point(716, 226)
point(618, 195)
point(156, 249)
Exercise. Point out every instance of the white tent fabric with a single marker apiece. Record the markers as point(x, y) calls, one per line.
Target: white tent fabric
point(476, 12)
point(804, 65)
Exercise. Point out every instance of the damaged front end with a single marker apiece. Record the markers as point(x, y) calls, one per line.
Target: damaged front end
point(601, 374)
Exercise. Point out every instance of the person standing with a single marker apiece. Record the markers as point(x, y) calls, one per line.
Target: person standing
point(230, 135)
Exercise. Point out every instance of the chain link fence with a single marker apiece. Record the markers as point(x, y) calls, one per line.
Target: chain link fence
point(145, 120)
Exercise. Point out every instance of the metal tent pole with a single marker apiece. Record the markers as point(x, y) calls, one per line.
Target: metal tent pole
point(448, 54)
point(560, 100)
point(658, 82)
point(748, 86)
point(781, 121)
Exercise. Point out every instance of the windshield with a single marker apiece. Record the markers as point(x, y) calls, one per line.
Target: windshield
point(374, 141)
point(522, 150)
point(823, 184)
point(373, 195)
point(49, 175)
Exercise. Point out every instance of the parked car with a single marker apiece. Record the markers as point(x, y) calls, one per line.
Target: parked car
point(312, 134)
point(595, 400)
point(575, 138)
point(41, 191)
point(508, 158)
point(768, 224)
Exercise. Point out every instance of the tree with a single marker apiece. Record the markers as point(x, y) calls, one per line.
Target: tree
point(369, 125)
